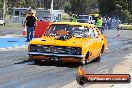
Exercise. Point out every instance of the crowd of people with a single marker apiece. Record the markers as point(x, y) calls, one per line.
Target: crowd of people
point(106, 23)
point(103, 23)
point(111, 24)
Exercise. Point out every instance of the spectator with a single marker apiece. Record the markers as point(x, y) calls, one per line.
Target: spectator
point(95, 18)
point(113, 24)
point(99, 23)
point(30, 23)
point(74, 18)
point(104, 23)
point(109, 23)
point(118, 22)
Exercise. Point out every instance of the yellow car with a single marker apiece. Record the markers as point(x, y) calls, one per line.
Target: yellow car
point(68, 42)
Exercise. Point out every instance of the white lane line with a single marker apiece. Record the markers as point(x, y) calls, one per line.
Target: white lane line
point(102, 67)
point(16, 46)
point(9, 48)
point(105, 71)
point(2, 48)
point(23, 45)
point(128, 56)
point(11, 36)
point(13, 48)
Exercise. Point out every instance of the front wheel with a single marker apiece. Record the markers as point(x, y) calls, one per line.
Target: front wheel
point(98, 58)
point(85, 61)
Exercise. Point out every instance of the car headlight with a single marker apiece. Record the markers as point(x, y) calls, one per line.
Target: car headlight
point(33, 48)
point(74, 50)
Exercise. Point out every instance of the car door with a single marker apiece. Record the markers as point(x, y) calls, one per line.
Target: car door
point(103, 40)
point(98, 43)
point(93, 46)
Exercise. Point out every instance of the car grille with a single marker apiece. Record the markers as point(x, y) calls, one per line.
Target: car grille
point(55, 49)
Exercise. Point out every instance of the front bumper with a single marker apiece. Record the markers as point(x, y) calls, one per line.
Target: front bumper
point(55, 55)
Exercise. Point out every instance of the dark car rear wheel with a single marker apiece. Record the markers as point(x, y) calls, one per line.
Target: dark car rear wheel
point(37, 61)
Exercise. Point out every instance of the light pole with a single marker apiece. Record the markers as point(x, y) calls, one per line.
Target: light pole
point(4, 10)
point(1, 11)
point(51, 7)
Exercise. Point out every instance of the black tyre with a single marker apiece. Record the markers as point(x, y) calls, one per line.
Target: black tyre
point(102, 50)
point(37, 61)
point(98, 58)
point(85, 61)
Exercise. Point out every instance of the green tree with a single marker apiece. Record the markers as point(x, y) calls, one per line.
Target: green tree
point(82, 6)
point(67, 7)
point(116, 8)
point(130, 5)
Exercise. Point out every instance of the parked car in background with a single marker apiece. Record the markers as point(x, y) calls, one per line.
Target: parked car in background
point(2, 22)
point(85, 19)
point(50, 19)
point(68, 42)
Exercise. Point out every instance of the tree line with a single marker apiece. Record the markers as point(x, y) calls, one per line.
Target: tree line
point(111, 8)
point(117, 8)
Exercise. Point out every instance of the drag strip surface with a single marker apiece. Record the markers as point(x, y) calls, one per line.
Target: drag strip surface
point(17, 72)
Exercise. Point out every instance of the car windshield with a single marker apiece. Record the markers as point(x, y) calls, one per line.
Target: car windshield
point(1, 17)
point(77, 31)
point(83, 17)
point(47, 18)
point(82, 21)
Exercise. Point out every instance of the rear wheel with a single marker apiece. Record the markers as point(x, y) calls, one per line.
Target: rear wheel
point(37, 61)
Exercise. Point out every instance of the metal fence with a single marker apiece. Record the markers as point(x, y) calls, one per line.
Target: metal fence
point(17, 19)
